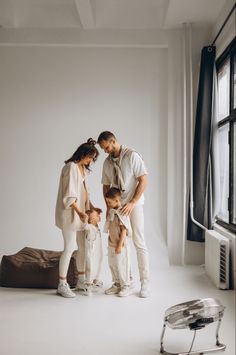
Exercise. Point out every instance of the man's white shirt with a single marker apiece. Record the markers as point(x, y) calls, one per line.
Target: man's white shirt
point(132, 167)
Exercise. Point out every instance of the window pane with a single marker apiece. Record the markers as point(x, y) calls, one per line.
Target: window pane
point(234, 176)
point(235, 81)
point(223, 90)
point(224, 172)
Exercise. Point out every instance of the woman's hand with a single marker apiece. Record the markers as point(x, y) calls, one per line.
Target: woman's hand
point(83, 216)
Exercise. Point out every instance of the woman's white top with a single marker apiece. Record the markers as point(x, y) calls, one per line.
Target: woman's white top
point(73, 187)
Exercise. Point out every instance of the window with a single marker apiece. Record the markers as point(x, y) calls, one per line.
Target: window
point(226, 75)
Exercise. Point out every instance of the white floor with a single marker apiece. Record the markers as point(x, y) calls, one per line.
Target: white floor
point(36, 322)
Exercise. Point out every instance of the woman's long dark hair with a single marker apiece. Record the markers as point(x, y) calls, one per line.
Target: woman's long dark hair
point(84, 150)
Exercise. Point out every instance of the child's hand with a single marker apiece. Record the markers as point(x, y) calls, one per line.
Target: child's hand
point(118, 249)
point(83, 217)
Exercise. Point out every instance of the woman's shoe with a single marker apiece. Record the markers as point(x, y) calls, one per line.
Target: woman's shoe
point(65, 291)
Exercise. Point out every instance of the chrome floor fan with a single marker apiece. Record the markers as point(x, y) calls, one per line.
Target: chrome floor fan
point(194, 315)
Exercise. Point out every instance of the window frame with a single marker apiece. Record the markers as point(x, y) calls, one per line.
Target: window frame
point(229, 54)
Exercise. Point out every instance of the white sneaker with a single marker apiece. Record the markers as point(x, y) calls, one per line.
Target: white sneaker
point(125, 291)
point(65, 291)
point(97, 285)
point(113, 290)
point(84, 288)
point(88, 290)
point(145, 290)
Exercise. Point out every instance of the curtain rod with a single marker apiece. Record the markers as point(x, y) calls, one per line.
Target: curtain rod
point(222, 27)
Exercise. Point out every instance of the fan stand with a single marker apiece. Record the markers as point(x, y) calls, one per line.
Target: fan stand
point(219, 346)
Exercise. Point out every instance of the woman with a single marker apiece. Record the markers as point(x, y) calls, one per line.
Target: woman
point(72, 202)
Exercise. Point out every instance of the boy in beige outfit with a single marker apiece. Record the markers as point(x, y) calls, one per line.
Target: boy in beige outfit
point(119, 229)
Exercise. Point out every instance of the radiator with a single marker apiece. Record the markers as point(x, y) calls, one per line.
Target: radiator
point(217, 259)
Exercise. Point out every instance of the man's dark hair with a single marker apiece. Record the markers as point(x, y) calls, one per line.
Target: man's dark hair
point(105, 136)
point(113, 192)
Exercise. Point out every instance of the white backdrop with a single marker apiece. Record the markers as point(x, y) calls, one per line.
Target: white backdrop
point(52, 100)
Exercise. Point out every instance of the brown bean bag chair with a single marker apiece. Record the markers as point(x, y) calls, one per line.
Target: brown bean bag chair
point(35, 268)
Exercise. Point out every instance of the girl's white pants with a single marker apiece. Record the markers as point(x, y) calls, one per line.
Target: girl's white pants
point(93, 256)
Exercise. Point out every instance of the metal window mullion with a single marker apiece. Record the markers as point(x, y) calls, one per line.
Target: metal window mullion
point(231, 171)
point(231, 139)
point(229, 54)
point(228, 119)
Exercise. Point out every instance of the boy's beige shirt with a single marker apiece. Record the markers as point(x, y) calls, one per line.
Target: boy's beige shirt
point(113, 226)
point(72, 188)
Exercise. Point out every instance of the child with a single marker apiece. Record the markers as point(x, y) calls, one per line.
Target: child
point(93, 254)
point(118, 226)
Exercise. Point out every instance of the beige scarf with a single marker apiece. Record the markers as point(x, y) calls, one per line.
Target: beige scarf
point(123, 218)
point(118, 180)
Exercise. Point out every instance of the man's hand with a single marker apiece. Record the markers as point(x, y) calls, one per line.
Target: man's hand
point(127, 208)
point(142, 182)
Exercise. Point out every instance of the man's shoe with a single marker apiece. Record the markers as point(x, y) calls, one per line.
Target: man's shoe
point(113, 290)
point(125, 291)
point(65, 291)
point(145, 290)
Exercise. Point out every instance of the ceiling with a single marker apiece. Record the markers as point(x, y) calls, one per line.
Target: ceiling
point(107, 14)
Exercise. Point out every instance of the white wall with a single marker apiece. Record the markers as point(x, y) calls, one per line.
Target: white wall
point(54, 98)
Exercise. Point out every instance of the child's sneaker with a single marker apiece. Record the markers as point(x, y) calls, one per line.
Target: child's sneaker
point(88, 290)
point(65, 291)
point(84, 288)
point(125, 291)
point(97, 285)
point(113, 290)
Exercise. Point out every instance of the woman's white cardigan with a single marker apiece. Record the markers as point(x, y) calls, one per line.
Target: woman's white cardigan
point(71, 189)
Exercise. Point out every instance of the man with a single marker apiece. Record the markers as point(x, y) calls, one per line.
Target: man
point(125, 170)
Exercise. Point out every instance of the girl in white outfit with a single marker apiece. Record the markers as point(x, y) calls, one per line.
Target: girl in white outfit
point(72, 202)
point(93, 253)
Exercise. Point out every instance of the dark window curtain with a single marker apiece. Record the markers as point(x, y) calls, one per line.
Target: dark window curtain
point(202, 147)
